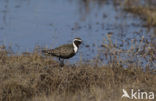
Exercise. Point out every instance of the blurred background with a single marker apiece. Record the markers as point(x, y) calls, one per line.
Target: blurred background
point(129, 24)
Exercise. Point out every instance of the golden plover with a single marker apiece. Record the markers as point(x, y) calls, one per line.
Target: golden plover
point(65, 51)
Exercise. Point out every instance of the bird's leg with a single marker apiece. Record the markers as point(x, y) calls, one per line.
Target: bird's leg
point(61, 62)
point(59, 59)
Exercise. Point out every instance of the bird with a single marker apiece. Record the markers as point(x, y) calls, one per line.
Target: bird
point(65, 51)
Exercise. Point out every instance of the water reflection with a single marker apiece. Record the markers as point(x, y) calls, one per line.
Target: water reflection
point(50, 23)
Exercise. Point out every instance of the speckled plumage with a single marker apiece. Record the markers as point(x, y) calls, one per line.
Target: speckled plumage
point(65, 51)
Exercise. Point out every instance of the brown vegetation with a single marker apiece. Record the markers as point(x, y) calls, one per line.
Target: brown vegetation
point(32, 77)
point(146, 11)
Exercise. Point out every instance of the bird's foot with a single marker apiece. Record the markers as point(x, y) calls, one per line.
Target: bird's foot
point(61, 64)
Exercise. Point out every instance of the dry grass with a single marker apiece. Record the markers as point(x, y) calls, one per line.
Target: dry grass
point(146, 12)
point(32, 77)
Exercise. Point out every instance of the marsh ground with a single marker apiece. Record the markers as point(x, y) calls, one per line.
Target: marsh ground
point(32, 77)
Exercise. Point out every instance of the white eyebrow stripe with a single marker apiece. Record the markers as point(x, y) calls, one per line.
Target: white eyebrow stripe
point(77, 40)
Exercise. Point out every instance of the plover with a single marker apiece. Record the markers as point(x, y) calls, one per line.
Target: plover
point(65, 51)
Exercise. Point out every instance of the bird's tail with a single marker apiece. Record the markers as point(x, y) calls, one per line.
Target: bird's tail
point(47, 52)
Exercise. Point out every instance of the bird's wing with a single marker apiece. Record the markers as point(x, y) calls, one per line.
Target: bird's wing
point(64, 50)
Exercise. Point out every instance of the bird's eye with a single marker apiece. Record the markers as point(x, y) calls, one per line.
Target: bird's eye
point(79, 42)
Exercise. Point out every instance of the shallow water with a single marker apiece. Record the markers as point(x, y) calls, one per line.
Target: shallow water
point(27, 23)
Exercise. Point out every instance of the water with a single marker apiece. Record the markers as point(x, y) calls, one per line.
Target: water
point(27, 23)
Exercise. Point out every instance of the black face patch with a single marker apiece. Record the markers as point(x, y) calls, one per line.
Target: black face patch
point(77, 43)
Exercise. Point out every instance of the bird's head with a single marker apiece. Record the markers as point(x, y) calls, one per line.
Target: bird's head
point(77, 42)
